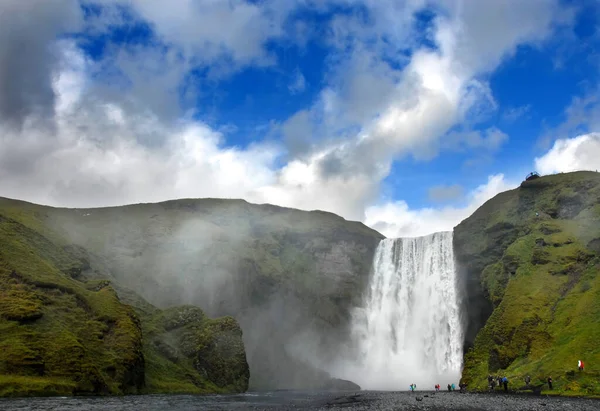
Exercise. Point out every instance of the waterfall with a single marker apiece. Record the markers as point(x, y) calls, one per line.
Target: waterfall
point(409, 329)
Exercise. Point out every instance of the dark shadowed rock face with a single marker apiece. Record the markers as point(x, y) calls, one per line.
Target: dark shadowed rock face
point(220, 355)
point(289, 277)
point(527, 261)
point(212, 347)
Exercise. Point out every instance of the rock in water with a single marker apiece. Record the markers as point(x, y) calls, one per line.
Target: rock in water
point(336, 384)
point(214, 346)
point(220, 354)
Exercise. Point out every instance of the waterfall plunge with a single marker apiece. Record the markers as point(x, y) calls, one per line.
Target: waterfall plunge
point(409, 330)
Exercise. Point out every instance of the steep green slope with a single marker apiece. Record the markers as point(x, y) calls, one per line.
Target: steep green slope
point(61, 334)
point(287, 274)
point(530, 258)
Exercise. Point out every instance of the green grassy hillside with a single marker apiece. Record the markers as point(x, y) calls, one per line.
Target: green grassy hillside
point(534, 253)
point(63, 334)
point(289, 274)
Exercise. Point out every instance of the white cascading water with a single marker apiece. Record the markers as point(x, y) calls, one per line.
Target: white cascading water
point(409, 330)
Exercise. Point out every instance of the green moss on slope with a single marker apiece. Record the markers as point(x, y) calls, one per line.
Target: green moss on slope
point(61, 334)
point(532, 250)
point(67, 337)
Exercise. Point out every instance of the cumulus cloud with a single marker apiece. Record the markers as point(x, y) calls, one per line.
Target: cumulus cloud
point(207, 31)
point(94, 157)
point(131, 141)
point(574, 154)
point(421, 99)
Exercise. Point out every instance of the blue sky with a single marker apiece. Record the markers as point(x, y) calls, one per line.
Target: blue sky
point(406, 115)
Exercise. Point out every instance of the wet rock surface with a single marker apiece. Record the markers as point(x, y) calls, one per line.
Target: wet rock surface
point(294, 400)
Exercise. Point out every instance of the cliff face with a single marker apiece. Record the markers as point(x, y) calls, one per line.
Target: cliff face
point(289, 277)
point(188, 352)
point(63, 333)
point(529, 263)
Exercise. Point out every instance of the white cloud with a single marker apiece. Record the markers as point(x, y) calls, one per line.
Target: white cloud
point(377, 104)
point(407, 107)
point(93, 155)
point(209, 30)
point(396, 219)
point(574, 154)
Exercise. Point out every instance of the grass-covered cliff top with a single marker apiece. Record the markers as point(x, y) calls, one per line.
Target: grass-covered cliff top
point(223, 212)
point(63, 334)
point(215, 234)
point(535, 252)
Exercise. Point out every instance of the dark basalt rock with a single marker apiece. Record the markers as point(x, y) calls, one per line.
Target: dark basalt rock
point(336, 384)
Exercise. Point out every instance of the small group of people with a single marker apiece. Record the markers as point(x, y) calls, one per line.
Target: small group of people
point(504, 381)
point(528, 382)
point(501, 381)
point(438, 387)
